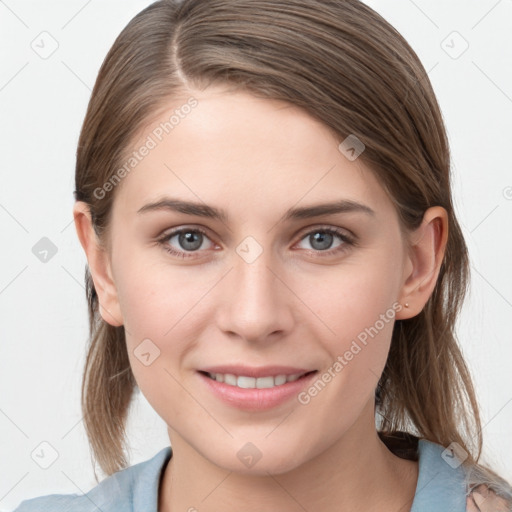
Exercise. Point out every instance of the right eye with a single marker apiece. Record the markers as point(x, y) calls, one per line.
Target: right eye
point(189, 240)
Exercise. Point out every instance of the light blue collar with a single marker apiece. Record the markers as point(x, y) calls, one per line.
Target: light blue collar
point(440, 487)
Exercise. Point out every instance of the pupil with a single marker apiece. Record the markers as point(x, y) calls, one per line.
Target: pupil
point(190, 237)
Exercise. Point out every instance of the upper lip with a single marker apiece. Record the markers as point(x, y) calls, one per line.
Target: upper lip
point(253, 371)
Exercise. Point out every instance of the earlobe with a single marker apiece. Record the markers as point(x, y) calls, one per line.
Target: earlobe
point(99, 265)
point(424, 259)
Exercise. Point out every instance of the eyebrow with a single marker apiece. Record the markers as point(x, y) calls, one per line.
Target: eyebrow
point(304, 212)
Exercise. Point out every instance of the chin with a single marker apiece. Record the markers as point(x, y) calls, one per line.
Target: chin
point(249, 460)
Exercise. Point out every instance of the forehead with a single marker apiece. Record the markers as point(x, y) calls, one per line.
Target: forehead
point(245, 154)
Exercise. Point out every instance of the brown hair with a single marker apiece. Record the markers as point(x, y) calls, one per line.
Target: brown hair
point(345, 65)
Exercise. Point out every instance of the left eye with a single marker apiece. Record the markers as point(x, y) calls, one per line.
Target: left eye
point(323, 239)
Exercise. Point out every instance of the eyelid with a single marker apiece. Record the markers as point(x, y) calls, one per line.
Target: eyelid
point(183, 227)
point(328, 227)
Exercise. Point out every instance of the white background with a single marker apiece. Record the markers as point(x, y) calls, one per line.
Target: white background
point(42, 305)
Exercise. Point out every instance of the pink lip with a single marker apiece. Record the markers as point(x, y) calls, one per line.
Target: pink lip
point(254, 399)
point(261, 371)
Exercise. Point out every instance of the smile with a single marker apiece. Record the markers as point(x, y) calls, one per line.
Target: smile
point(255, 389)
point(245, 382)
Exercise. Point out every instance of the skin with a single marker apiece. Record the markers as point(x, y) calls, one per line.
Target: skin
point(255, 158)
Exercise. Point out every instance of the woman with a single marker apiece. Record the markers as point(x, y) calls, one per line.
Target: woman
point(263, 195)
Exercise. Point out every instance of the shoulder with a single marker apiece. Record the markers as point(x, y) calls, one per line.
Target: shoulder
point(483, 499)
point(445, 482)
point(132, 488)
point(52, 503)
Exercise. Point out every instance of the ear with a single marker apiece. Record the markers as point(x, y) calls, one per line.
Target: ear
point(423, 262)
point(98, 260)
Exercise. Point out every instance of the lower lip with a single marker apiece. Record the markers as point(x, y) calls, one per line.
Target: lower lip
point(255, 399)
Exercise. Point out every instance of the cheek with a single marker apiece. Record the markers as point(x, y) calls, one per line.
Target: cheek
point(157, 304)
point(160, 308)
point(157, 298)
point(352, 296)
point(357, 307)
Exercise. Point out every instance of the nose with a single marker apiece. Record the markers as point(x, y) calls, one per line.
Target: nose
point(255, 303)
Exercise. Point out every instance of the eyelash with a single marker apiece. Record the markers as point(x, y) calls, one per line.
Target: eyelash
point(347, 241)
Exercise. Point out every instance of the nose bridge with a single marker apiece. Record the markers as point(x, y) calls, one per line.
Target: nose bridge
point(256, 305)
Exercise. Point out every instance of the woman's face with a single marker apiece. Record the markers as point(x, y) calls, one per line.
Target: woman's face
point(265, 286)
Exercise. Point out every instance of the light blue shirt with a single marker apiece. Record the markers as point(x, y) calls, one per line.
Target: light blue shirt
point(440, 487)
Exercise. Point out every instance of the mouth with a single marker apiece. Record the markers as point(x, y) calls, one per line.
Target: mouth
point(255, 388)
point(263, 382)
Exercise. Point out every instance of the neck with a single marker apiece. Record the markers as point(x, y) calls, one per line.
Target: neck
point(357, 473)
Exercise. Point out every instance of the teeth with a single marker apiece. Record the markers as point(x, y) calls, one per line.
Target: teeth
point(229, 379)
point(279, 379)
point(265, 382)
point(242, 381)
point(246, 382)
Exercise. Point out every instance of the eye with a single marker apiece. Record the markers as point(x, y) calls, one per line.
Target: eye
point(191, 240)
point(188, 240)
point(321, 239)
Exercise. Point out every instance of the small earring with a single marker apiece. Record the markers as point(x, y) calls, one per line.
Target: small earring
point(406, 304)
